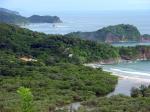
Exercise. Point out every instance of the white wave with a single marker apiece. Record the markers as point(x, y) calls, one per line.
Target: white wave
point(136, 77)
point(60, 26)
point(131, 72)
point(93, 65)
point(125, 74)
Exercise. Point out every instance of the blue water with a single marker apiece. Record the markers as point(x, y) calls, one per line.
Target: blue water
point(92, 21)
point(137, 69)
point(126, 44)
point(133, 74)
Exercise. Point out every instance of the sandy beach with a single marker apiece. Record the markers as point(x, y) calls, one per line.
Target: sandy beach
point(125, 82)
point(125, 85)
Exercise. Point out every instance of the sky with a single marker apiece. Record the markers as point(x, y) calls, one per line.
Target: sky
point(43, 6)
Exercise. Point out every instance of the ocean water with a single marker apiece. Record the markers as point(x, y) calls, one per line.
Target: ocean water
point(132, 74)
point(92, 21)
point(126, 44)
point(139, 70)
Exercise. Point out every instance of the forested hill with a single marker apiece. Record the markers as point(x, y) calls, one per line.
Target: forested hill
point(9, 11)
point(51, 66)
point(116, 33)
point(44, 19)
point(12, 17)
point(53, 48)
point(57, 48)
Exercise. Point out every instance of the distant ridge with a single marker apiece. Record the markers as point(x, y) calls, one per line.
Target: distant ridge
point(44, 19)
point(9, 11)
point(115, 33)
point(13, 17)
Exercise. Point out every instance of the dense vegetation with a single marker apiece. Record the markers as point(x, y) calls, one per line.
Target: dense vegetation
point(53, 48)
point(44, 19)
point(26, 100)
point(138, 102)
point(12, 17)
point(7, 17)
point(117, 103)
point(55, 73)
point(134, 53)
point(9, 11)
point(114, 33)
point(142, 91)
point(145, 38)
point(56, 77)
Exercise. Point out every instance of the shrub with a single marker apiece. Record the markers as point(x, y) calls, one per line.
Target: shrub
point(26, 99)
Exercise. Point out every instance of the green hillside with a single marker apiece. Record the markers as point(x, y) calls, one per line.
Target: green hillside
point(42, 62)
point(110, 34)
point(52, 67)
point(117, 103)
point(44, 19)
point(11, 18)
point(53, 48)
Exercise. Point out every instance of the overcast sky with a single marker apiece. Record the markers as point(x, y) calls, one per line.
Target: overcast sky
point(36, 6)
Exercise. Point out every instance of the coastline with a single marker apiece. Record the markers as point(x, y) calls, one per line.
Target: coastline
point(125, 83)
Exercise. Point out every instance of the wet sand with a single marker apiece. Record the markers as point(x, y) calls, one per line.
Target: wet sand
point(125, 82)
point(125, 85)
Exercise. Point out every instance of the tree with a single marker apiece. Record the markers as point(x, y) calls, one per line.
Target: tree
point(135, 92)
point(26, 99)
point(143, 88)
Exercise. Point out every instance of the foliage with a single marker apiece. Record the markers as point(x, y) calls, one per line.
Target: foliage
point(142, 91)
point(6, 17)
point(12, 17)
point(53, 48)
point(26, 99)
point(57, 85)
point(125, 32)
point(134, 53)
point(117, 103)
point(44, 19)
point(146, 36)
point(138, 102)
point(115, 33)
point(55, 78)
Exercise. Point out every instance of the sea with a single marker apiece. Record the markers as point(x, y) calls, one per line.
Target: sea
point(132, 74)
point(92, 21)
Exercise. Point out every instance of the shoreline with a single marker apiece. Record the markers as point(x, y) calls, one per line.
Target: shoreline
point(124, 86)
point(125, 83)
point(123, 77)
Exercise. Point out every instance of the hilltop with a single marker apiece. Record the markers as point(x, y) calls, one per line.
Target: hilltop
point(44, 19)
point(116, 33)
point(13, 17)
point(9, 11)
